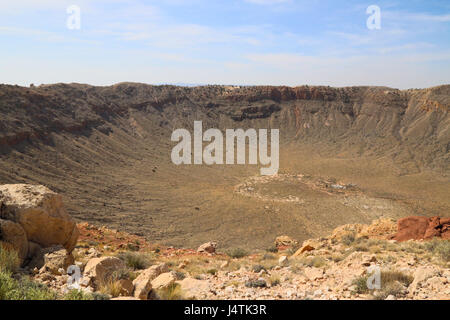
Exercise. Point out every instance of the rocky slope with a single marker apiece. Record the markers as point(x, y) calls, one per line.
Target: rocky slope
point(102, 263)
point(107, 151)
point(413, 124)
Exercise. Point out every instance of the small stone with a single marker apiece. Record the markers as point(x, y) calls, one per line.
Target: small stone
point(209, 247)
point(229, 290)
point(283, 261)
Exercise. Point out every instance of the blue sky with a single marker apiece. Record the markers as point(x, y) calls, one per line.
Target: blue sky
point(250, 42)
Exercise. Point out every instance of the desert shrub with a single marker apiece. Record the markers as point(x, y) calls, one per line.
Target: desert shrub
point(348, 239)
point(23, 289)
point(362, 247)
point(100, 296)
point(390, 284)
point(172, 292)
point(111, 287)
point(9, 260)
point(237, 253)
point(7, 284)
point(388, 277)
point(412, 247)
point(212, 271)
point(256, 283)
point(337, 257)
point(316, 262)
point(132, 246)
point(269, 264)
point(375, 249)
point(440, 248)
point(268, 256)
point(272, 249)
point(123, 273)
point(136, 260)
point(274, 280)
point(293, 249)
point(393, 289)
point(180, 275)
point(388, 259)
point(75, 294)
point(360, 284)
point(258, 268)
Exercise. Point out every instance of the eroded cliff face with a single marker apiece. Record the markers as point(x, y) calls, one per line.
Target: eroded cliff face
point(409, 126)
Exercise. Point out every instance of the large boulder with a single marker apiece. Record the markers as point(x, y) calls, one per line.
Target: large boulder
point(126, 287)
point(52, 259)
point(194, 289)
point(422, 274)
point(143, 282)
point(209, 247)
point(100, 270)
point(445, 228)
point(13, 236)
point(308, 245)
point(164, 281)
point(422, 228)
point(41, 214)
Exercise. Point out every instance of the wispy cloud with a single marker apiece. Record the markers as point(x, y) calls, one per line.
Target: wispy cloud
point(418, 17)
point(268, 2)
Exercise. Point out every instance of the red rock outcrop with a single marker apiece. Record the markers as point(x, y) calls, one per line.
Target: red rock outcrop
point(422, 228)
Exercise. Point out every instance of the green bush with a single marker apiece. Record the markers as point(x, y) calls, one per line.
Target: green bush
point(439, 247)
point(172, 292)
point(315, 261)
point(272, 249)
point(9, 260)
point(237, 253)
point(393, 289)
point(388, 277)
point(268, 256)
point(212, 272)
point(258, 268)
point(348, 239)
point(78, 295)
point(136, 260)
point(23, 289)
point(389, 285)
point(256, 283)
point(99, 296)
point(361, 285)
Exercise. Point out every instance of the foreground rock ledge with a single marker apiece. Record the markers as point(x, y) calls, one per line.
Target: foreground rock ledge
point(41, 214)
